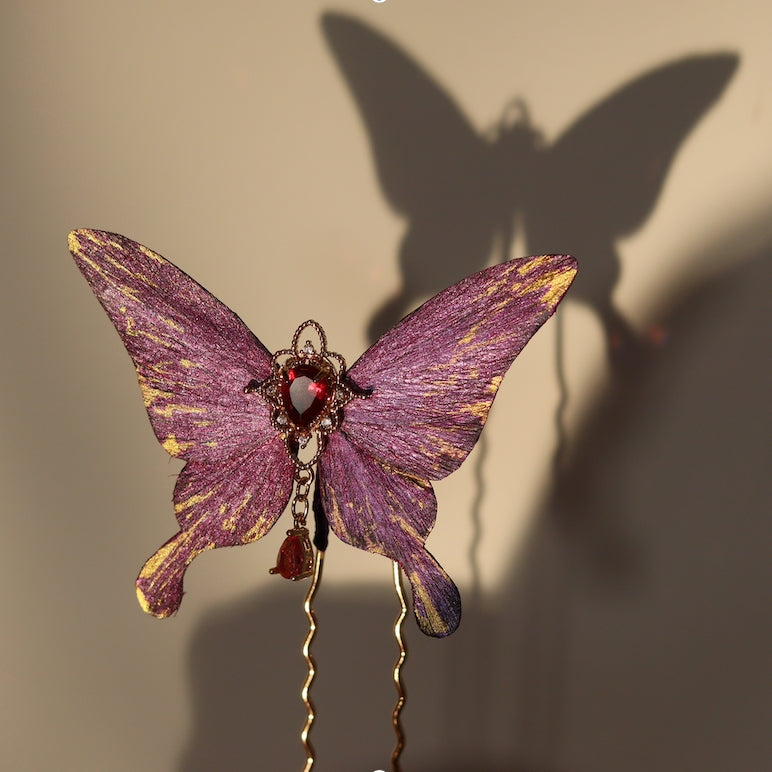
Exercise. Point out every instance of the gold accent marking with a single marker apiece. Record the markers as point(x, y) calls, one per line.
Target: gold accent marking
point(171, 323)
point(196, 498)
point(174, 447)
point(152, 255)
point(168, 410)
point(132, 330)
point(150, 394)
point(431, 610)
point(120, 266)
point(533, 264)
point(229, 524)
point(257, 531)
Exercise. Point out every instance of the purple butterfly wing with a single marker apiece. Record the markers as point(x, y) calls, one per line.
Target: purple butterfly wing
point(193, 357)
point(434, 376)
point(377, 509)
point(432, 380)
point(232, 502)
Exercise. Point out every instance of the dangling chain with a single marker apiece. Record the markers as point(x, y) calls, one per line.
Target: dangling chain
point(304, 477)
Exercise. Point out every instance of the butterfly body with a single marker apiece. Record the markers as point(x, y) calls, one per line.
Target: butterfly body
point(374, 435)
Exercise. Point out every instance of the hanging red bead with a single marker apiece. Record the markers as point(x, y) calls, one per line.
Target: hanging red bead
point(296, 556)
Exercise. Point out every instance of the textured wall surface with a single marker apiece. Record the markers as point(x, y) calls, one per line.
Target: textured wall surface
point(610, 535)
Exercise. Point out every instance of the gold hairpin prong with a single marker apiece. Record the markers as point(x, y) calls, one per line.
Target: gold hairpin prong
point(397, 673)
point(305, 693)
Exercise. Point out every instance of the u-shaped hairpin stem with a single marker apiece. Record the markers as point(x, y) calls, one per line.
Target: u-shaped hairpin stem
point(312, 625)
point(401, 697)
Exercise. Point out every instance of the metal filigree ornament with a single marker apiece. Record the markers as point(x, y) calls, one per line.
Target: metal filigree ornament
point(307, 391)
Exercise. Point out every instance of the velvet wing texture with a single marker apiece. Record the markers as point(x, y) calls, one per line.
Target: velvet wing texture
point(193, 357)
point(432, 380)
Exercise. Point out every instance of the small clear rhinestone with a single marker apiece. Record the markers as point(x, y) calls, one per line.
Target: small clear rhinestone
point(326, 423)
point(308, 348)
point(281, 419)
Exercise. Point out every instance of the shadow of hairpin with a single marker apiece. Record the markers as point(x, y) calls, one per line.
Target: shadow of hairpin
point(664, 487)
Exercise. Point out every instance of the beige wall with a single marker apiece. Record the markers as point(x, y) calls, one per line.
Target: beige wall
point(622, 619)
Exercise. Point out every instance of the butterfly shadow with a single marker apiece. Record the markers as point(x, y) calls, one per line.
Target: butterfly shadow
point(635, 611)
point(462, 192)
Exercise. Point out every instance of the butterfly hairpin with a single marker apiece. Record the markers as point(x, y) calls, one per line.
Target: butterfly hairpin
point(257, 430)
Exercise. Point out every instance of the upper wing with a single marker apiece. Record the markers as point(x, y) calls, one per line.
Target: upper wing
point(193, 355)
point(433, 377)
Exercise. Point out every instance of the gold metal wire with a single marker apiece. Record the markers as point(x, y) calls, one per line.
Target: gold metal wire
point(304, 694)
point(397, 673)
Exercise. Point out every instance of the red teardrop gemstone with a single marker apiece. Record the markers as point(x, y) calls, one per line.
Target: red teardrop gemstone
point(305, 390)
point(295, 560)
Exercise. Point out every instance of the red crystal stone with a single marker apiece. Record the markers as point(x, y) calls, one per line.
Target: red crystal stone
point(295, 556)
point(305, 390)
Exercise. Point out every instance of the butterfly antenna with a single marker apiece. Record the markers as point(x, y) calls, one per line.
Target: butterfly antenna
point(397, 674)
point(304, 694)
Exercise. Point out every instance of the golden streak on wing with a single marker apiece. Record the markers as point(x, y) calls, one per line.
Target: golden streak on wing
point(93, 238)
point(478, 409)
point(187, 363)
point(561, 283)
point(139, 276)
point(152, 255)
point(439, 446)
point(196, 498)
point(155, 561)
point(532, 265)
point(174, 447)
point(152, 569)
point(552, 286)
point(335, 513)
point(432, 614)
point(134, 332)
point(128, 292)
point(259, 529)
point(398, 519)
point(229, 524)
point(471, 335)
point(75, 248)
point(494, 287)
point(471, 347)
point(150, 394)
point(420, 481)
point(481, 408)
point(167, 411)
point(171, 323)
